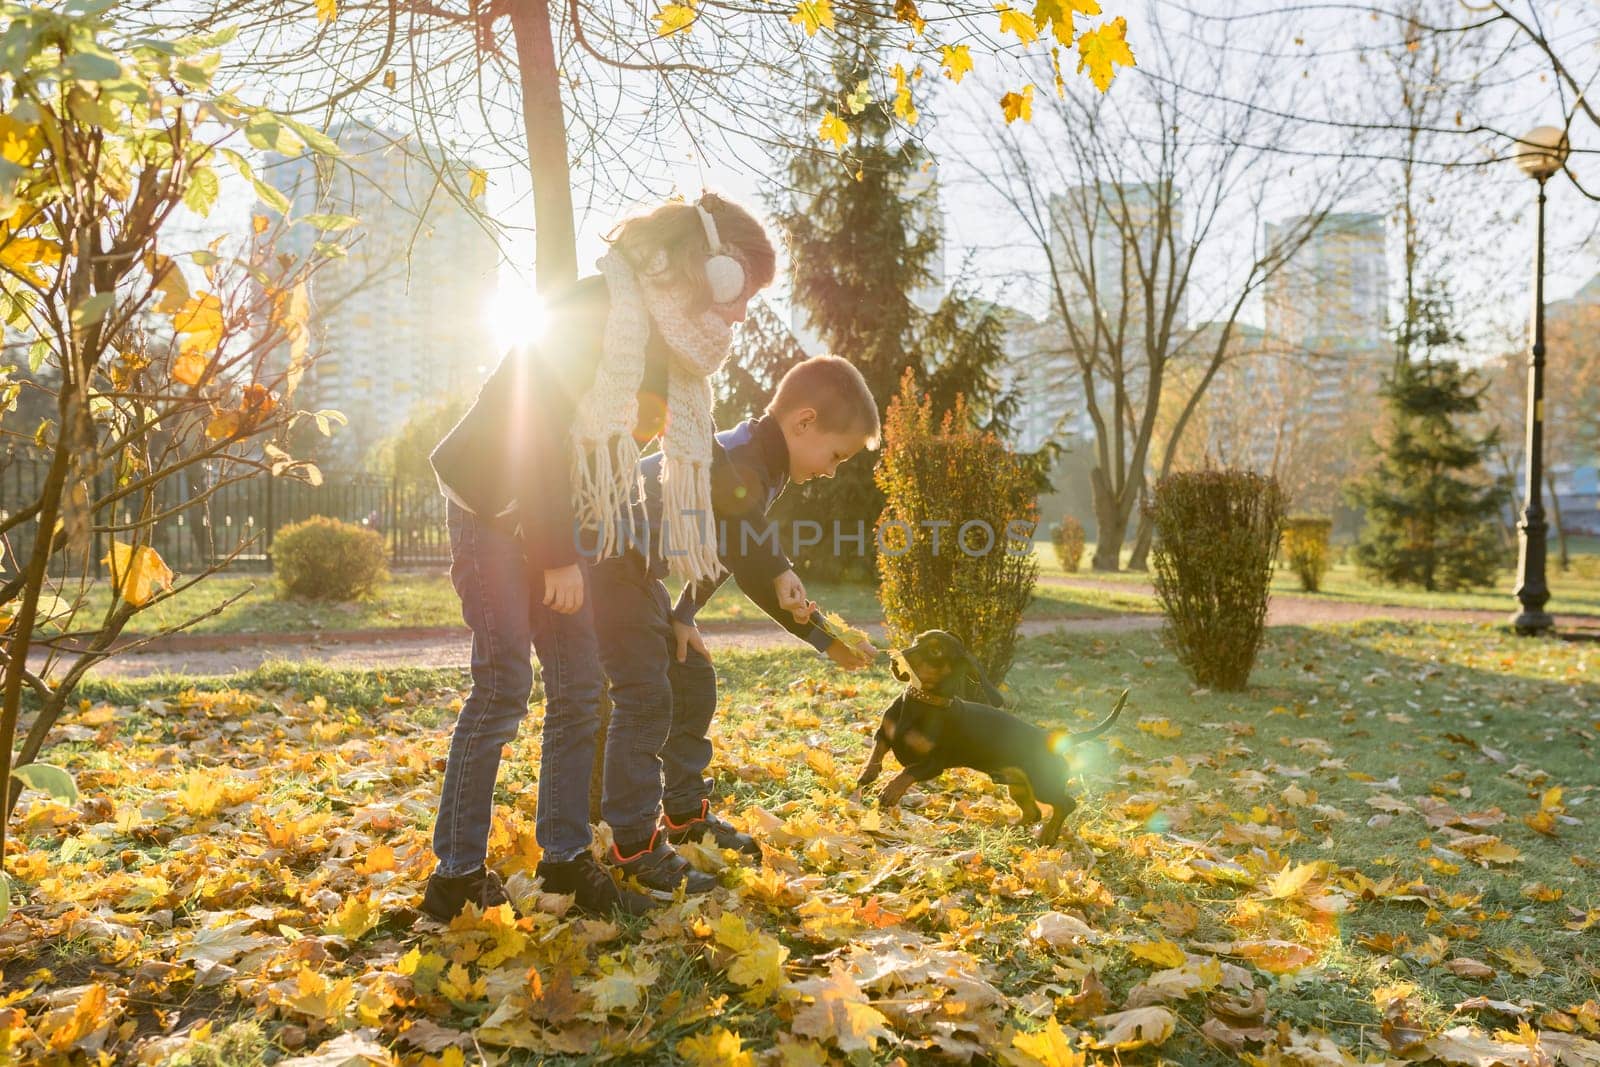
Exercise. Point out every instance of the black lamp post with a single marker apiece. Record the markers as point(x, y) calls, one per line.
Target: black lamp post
point(1540, 153)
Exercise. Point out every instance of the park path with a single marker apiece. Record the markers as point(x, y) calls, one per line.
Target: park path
point(194, 654)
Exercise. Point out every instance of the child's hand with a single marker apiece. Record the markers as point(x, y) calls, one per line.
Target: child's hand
point(851, 659)
point(792, 595)
point(688, 636)
point(563, 589)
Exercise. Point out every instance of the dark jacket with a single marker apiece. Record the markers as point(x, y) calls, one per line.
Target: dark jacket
point(749, 470)
point(511, 449)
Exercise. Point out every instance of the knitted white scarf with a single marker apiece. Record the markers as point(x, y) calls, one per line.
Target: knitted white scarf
point(605, 455)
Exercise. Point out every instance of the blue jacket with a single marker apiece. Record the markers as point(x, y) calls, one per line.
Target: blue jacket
point(749, 470)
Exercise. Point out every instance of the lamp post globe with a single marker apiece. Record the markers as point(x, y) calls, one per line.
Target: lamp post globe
point(1542, 151)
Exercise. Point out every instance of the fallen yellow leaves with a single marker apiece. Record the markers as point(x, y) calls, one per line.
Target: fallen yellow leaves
point(1049, 1047)
point(1126, 1030)
point(276, 846)
point(839, 1012)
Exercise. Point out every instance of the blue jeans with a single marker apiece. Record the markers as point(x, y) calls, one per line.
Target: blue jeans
point(657, 748)
point(502, 601)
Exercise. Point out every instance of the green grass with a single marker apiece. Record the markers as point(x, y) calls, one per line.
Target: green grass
point(417, 598)
point(426, 599)
point(1576, 590)
point(1279, 775)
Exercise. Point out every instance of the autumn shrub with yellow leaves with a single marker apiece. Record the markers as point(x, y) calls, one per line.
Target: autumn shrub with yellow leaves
point(325, 559)
point(148, 360)
point(1305, 549)
point(1068, 539)
point(956, 536)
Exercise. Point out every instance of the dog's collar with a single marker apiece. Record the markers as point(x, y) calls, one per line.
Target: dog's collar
point(925, 697)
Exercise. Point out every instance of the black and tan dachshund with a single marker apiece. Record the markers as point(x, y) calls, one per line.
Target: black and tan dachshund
point(932, 727)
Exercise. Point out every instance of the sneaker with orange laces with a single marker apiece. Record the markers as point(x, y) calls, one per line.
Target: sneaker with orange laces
point(659, 868)
point(693, 826)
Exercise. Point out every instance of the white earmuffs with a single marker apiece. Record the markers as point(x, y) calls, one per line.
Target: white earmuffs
point(723, 273)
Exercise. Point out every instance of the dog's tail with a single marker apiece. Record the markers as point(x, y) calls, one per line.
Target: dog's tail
point(1104, 724)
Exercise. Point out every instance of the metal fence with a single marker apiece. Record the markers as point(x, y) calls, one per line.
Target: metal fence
point(246, 515)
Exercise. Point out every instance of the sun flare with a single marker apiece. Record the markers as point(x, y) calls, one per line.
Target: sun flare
point(514, 315)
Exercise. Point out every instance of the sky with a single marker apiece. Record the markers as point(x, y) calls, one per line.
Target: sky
point(1318, 59)
point(1495, 249)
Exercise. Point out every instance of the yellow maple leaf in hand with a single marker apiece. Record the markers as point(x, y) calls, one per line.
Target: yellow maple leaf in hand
point(674, 18)
point(1018, 105)
point(136, 573)
point(813, 15)
point(855, 638)
point(1102, 49)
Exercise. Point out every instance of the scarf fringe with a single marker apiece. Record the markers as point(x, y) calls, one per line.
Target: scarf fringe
point(604, 496)
point(689, 525)
point(606, 486)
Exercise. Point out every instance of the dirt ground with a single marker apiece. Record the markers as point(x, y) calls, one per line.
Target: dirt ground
point(453, 647)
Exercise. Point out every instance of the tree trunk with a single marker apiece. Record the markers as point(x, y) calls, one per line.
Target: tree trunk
point(1111, 520)
point(1562, 559)
point(1140, 560)
point(556, 256)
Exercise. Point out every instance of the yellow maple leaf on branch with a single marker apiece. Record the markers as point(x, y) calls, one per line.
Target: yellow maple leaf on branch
point(1103, 49)
point(1018, 105)
point(833, 129)
point(813, 15)
point(674, 18)
point(1058, 15)
point(903, 107)
point(136, 573)
point(957, 61)
point(1014, 21)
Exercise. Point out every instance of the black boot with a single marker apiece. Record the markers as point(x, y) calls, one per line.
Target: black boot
point(695, 825)
point(446, 897)
point(591, 887)
point(660, 869)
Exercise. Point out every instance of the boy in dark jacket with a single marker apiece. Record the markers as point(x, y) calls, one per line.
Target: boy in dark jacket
point(662, 682)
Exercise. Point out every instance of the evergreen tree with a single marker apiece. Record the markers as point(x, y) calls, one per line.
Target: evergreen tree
point(763, 351)
point(1432, 511)
point(862, 240)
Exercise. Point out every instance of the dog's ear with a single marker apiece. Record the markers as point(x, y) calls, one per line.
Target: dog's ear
point(975, 673)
